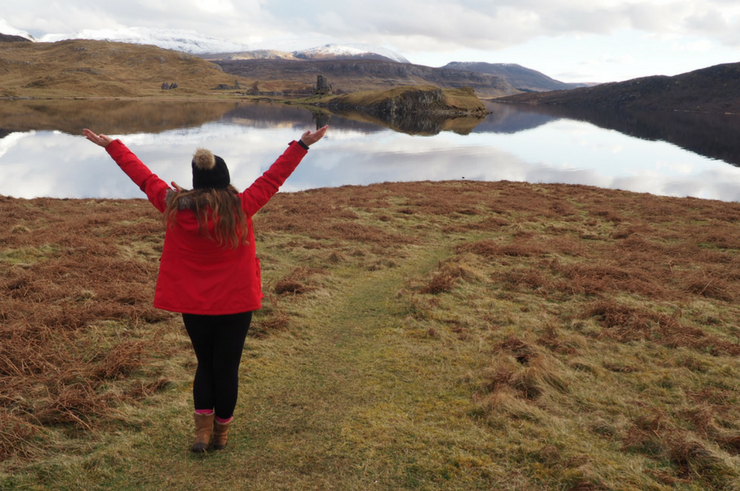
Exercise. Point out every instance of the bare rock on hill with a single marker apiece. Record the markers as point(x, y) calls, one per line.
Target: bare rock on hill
point(236, 86)
point(9, 38)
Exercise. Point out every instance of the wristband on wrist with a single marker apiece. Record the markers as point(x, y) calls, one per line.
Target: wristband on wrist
point(300, 142)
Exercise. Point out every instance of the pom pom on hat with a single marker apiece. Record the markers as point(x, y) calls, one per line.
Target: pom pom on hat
point(209, 171)
point(204, 159)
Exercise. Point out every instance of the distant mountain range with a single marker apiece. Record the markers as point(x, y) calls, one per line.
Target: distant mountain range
point(348, 68)
point(326, 52)
point(493, 80)
point(347, 72)
point(361, 74)
point(193, 42)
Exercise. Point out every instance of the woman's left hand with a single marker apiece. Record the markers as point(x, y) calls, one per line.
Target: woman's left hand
point(101, 140)
point(310, 138)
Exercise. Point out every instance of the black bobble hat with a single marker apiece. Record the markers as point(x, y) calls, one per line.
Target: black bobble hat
point(209, 171)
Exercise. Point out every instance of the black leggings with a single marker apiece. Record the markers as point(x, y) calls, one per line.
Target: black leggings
point(218, 341)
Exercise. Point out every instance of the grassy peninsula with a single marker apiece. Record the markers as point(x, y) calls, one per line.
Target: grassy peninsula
point(435, 336)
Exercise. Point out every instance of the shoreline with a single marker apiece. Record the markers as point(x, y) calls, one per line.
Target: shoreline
point(574, 188)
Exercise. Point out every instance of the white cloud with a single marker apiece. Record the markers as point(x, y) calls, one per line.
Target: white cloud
point(435, 32)
point(698, 46)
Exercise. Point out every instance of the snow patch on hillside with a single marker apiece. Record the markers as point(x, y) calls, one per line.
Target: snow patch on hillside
point(6, 28)
point(174, 39)
point(340, 50)
point(195, 43)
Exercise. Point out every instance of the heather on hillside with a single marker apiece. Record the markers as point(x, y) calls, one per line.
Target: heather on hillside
point(450, 335)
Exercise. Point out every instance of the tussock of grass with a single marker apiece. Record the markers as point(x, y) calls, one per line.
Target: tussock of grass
point(75, 315)
point(416, 336)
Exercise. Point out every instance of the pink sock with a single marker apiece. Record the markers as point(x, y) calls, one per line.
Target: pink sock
point(204, 411)
point(223, 421)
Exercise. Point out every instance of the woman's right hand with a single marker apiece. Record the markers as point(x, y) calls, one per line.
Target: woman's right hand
point(101, 140)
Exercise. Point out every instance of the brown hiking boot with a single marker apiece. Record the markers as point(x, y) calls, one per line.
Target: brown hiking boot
point(203, 430)
point(220, 434)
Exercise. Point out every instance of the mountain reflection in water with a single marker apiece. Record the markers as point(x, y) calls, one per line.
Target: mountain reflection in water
point(42, 152)
point(712, 135)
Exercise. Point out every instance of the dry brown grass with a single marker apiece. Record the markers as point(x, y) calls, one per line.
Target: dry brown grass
point(103, 69)
point(68, 273)
point(594, 332)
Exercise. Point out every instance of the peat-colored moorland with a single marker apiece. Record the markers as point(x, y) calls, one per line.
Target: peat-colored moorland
point(449, 335)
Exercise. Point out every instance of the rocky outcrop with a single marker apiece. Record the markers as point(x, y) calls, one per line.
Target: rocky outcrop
point(236, 86)
point(415, 110)
point(405, 103)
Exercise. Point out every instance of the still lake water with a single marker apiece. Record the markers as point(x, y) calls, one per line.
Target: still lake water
point(42, 152)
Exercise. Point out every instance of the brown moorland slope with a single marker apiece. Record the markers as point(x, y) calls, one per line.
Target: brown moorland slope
point(450, 335)
point(357, 75)
point(714, 89)
point(84, 68)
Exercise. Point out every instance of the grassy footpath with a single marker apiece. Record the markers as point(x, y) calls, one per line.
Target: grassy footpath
point(413, 336)
point(348, 402)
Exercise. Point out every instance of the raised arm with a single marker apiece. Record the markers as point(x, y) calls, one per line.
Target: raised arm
point(154, 187)
point(259, 193)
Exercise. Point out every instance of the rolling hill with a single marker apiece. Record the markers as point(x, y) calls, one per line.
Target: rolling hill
point(83, 68)
point(715, 89)
point(524, 79)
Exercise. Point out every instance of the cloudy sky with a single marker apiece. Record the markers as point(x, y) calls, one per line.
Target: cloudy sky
point(570, 40)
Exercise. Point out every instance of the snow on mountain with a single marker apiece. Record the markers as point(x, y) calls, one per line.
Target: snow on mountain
point(195, 43)
point(381, 51)
point(6, 28)
point(175, 39)
point(349, 50)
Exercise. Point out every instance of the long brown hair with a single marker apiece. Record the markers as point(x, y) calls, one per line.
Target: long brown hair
point(221, 206)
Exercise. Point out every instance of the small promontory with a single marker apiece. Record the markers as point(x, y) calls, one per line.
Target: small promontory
point(402, 102)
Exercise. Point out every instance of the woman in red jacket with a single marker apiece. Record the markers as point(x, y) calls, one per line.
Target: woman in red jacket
point(209, 271)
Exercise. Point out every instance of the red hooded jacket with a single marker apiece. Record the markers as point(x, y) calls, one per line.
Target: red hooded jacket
point(196, 276)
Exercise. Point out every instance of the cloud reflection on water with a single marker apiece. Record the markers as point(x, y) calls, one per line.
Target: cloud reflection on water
point(54, 164)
